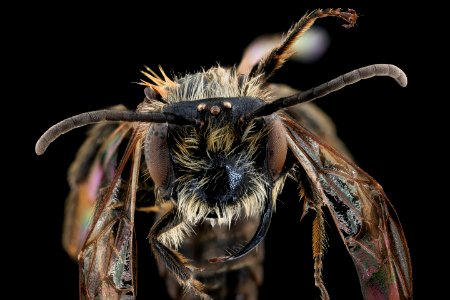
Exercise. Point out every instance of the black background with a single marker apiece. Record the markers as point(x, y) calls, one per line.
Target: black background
point(78, 58)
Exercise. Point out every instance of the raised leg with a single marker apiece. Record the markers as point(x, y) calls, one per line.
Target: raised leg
point(175, 262)
point(319, 240)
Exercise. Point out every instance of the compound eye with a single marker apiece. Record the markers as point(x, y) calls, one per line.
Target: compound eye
point(276, 146)
point(157, 156)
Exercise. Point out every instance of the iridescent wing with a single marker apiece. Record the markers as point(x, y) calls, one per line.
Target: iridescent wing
point(99, 220)
point(107, 260)
point(367, 221)
point(92, 170)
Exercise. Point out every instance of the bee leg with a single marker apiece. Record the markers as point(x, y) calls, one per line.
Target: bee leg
point(149, 209)
point(158, 208)
point(319, 240)
point(174, 261)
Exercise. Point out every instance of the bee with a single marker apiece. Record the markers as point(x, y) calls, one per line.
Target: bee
point(210, 152)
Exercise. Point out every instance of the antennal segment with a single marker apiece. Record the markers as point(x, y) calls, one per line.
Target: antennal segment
point(97, 116)
point(331, 86)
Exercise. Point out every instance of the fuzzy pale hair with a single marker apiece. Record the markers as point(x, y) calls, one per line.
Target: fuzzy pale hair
point(212, 83)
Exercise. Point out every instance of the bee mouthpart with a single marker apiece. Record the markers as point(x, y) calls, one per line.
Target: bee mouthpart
point(256, 239)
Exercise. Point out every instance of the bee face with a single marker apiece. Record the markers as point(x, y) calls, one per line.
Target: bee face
point(223, 165)
point(218, 168)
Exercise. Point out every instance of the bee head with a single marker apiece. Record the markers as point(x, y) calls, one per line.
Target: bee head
point(222, 167)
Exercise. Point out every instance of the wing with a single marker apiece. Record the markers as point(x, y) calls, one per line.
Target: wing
point(367, 221)
point(107, 259)
point(92, 170)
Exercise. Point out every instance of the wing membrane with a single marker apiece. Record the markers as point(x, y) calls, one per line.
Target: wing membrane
point(367, 221)
point(107, 260)
point(93, 169)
